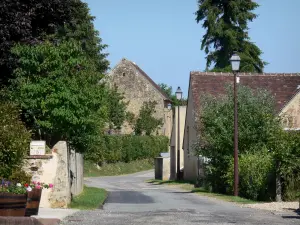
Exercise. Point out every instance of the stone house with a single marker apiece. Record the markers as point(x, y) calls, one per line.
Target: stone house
point(284, 87)
point(138, 88)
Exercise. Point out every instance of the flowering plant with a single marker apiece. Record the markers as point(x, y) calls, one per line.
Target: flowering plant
point(21, 188)
point(37, 185)
point(11, 187)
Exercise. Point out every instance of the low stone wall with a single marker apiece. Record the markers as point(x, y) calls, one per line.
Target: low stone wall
point(56, 168)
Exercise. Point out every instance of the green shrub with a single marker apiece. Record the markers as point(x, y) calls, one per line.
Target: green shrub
point(255, 173)
point(127, 148)
point(14, 139)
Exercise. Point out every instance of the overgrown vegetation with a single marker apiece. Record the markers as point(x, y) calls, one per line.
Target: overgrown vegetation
point(90, 198)
point(127, 148)
point(262, 144)
point(115, 169)
point(14, 139)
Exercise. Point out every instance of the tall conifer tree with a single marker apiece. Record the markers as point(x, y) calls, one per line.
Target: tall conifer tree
point(226, 24)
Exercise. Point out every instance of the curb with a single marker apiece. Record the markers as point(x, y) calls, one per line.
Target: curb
point(19, 220)
point(102, 205)
point(49, 221)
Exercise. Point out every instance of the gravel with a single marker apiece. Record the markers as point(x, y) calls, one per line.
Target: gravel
point(275, 206)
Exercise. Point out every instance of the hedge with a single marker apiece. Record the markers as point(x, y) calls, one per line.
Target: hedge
point(126, 148)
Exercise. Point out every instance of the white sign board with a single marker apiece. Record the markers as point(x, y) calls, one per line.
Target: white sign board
point(37, 148)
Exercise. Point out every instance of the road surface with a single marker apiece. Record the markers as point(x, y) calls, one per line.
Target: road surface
point(133, 201)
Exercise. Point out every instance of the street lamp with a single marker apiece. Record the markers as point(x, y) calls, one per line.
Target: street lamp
point(235, 66)
point(179, 97)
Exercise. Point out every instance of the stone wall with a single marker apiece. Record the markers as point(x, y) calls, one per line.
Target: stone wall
point(55, 168)
point(291, 113)
point(137, 89)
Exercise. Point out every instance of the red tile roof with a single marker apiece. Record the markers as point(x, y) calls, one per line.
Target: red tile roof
point(282, 86)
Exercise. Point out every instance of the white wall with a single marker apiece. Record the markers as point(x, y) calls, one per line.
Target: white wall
point(190, 137)
point(173, 143)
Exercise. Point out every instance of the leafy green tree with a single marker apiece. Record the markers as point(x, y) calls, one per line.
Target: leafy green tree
point(58, 89)
point(146, 123)
point(116, 109)
point(258, 125)
point(80, 28)
point(14, 139)
point(226, 24)
point(33, 22)
point(27, 22)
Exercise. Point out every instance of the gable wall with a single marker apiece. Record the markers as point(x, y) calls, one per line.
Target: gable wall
point(137, 89)
point(291, 113)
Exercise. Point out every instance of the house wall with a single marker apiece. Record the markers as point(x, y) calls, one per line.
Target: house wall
point(137, 89)
point(190, 137)
point(174, 138)
point(291, 113)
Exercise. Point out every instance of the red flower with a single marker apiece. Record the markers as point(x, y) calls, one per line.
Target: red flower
point(26, 185)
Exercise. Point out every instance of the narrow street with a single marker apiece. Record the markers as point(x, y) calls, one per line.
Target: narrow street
point(132, 201)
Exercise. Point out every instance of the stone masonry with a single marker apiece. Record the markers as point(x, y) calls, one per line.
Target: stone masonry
point(137, 88)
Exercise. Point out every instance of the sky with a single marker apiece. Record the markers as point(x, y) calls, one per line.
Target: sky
point(163, 38)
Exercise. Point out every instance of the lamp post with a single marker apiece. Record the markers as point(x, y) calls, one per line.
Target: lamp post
point(235, 66)
point(179, 97)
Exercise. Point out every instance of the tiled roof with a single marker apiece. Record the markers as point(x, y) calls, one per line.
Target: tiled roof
point(282, 86)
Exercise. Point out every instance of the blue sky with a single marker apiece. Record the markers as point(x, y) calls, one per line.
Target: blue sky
point(163, 38)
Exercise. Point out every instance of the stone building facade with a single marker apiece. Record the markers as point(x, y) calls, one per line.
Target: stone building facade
point(138, 88)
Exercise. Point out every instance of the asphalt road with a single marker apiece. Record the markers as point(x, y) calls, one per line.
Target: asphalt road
point(132, 201)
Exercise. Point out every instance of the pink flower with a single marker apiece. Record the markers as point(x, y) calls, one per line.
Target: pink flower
point(50, 185)
point(34, 182)
point(38, 183)
point(38, 187)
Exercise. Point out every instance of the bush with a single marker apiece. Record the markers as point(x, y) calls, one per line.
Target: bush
point(14, 139)
point(127, 148)
point(256, 171)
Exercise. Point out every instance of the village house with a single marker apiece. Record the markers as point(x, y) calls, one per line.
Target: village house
point(284, 87)
point(138, 88)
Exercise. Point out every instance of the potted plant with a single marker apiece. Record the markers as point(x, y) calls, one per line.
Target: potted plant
point(34, 196)
point(13, 198)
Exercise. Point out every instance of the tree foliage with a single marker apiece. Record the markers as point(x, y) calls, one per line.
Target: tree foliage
point(27, 22)
point(226, 24)
point(168, 90)
point(14, 139)
point(58, 90)
point(116, 109)
point(33, 22)
point(146, 123)
point(257, 122)
point(80, 28)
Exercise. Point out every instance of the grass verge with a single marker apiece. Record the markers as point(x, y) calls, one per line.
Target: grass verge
point(90, 198)
point(189, 186)
point(120, 168)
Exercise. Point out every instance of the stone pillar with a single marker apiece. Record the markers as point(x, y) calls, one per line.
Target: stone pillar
point(162, 168)
point(60, 197)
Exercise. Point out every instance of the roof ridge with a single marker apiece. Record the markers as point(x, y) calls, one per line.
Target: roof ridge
point(244, 74)
point(148, 78)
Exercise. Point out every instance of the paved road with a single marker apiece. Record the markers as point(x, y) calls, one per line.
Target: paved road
point(132, 201)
